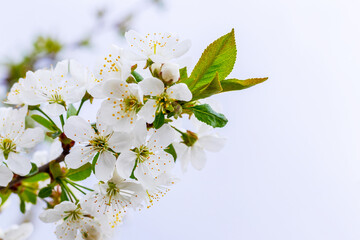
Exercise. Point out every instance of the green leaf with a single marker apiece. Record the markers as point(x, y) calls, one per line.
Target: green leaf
point(22, 206)
point(44, 122)
point(34, 170)
point(219, 57)
point(206, 114)
point(94, 162)
point(4, 195)
point(171, 150)
point(55, 169)
point(159, 120)
point(71, 111)
point(45, 192)
point(235, 84)
point(208, 90)
point(38, 177)
point(28, 195)
point(79, 174)
point(183, 73)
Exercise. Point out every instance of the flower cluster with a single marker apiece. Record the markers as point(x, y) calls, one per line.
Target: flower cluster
point(133, 144)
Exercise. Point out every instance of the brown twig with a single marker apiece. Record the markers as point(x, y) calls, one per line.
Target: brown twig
point(45, 168)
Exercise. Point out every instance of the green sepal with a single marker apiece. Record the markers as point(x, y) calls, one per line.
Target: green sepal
point(45, 192)
point(137, 76)
point(22, 206)
point(159, 119)
point(4, 195)
point(171, 150)
point(71, 111)
point(33, 171)
point(235, 84)
point(93, 164)
point(206, 114)
point(79, 174)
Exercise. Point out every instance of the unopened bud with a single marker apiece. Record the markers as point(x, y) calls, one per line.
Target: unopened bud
point(170, 73)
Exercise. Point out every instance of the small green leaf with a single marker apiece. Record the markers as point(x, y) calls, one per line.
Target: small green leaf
point(183, 73)
point(55, 169)
point(137, 76)
point(45, 192)
point(171, 150)
point(219, 57)
point(79, 174)
point(235, 84)
point(22, 206)
point(159, 120)
point(28, 195)
point(44, 122)
point(94, 162)
point(208, 90)
point(4, 195)
point(34, 170)
point(38, 177)
point(206, 114)
point(71, 111)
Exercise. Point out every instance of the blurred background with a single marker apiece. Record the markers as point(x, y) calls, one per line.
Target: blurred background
point(290, 168)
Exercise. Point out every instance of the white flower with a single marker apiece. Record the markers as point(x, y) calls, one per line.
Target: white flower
point(162, 97)
point(120, 110)
point(111, 199)
point(103, 142)
point(74, 221)
point(113, 67)
point(14, 139)
point(42, 157)
point(159, 188)
point(159, 47)
point(54, 88)
point(18, 232)
point(194, 151)
point(170, 73)
point(147, 154)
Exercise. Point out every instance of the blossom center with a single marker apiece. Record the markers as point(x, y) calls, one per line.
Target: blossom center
point(99, 143)
point(56, 98)
point(164, 102)
point(73, 215)
point(132, 104)
point(112, 189)
point(143, 153)
point(7, 146)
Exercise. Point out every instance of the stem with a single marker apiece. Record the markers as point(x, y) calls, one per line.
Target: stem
point(77, 188)
point(89, 189)
point(38, 109)
point(81, 104)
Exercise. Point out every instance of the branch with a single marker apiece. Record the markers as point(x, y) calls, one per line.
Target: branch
point(45, 168)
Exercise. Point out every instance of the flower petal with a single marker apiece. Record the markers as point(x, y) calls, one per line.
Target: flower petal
point(125, 164)
point(78, 156)
point(31, 137)
point(211, 143)
point(77, 129)
point(152, 86)
point(54, 109)
point(181, 48)
point(120, 141)
point(198, 158)
point(19, 164)
point(105, 166)
point(147, 112)
point(5, 175)
point(179, 91)
point(162, 137)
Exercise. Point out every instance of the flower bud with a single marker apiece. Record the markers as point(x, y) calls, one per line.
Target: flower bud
point(155, 69)
point(170, 73)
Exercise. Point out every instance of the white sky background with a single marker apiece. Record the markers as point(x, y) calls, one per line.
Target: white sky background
point(290, 169)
